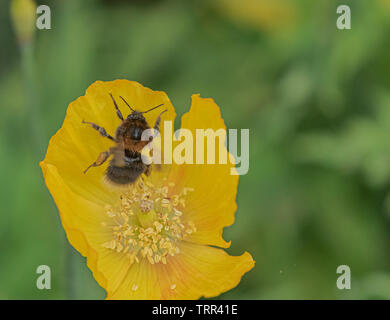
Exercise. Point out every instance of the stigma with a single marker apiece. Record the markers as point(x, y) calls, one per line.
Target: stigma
point(148, 222)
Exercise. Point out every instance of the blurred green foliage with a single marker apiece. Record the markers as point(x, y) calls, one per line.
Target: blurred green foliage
point(316, 101)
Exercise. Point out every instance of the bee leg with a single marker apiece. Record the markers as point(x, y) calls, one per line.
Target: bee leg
point(101, 130)
point(118, 112)
point(157, 124)
point(148, 170)
point(100, 160)
point(157, 165)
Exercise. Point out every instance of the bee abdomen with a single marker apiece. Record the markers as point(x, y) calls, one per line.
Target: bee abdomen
point(124, 175)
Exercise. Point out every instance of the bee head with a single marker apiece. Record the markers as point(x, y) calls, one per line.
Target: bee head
point(138, 115)
point(135, 115)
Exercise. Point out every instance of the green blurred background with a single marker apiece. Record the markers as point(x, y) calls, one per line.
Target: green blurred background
point(316, 101)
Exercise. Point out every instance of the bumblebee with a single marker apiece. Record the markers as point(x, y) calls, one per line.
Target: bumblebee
point(126, 165)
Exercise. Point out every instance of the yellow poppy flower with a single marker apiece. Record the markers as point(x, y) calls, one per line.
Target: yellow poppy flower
point(265, 15)
point(157, 238)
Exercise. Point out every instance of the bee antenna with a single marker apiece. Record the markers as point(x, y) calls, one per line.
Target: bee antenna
point(127, 103)
point(153, 108)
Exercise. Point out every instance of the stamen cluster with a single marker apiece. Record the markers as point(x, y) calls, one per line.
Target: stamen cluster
point(148, 223)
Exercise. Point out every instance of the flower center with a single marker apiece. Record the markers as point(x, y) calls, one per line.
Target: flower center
point(148, 223)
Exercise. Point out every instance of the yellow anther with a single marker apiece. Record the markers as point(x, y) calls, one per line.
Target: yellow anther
point(165, 203)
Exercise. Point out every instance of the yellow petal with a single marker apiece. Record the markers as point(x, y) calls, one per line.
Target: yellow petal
point(198, 271)
point(211, 206)
point(139, 283)
point(82, 220)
